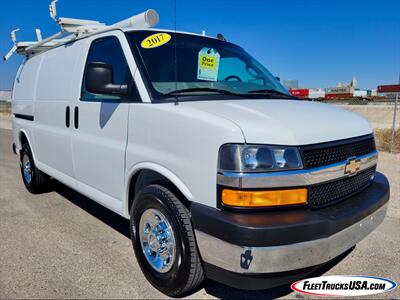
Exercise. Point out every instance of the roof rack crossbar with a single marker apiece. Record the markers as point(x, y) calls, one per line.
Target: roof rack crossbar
point(38, 34)
point(42, 42)
point(10, 53)
point(74, 29)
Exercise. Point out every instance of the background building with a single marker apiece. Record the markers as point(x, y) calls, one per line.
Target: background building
point(291, 84)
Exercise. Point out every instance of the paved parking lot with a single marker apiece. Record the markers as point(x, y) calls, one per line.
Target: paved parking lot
point(63, 245)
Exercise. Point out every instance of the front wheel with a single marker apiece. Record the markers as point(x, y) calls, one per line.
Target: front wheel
point(164, 242)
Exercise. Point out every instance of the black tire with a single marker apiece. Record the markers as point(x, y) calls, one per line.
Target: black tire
point(184, 277)
point(39, 181)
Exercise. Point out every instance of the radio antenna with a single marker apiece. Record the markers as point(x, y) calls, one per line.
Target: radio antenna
point(175, 58)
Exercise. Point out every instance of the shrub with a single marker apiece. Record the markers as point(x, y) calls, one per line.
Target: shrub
point(383, 138)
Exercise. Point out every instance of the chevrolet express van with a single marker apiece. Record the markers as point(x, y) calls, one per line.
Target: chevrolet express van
point(222, 173)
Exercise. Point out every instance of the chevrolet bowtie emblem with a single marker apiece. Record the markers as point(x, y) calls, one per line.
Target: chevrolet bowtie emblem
point(352, 166)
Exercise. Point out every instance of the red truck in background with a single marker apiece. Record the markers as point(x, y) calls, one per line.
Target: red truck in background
point(300, 93)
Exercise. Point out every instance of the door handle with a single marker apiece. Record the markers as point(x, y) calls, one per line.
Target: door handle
point(76, 117)
point(67, 116)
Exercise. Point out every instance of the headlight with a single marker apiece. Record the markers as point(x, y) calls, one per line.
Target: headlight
point(258, 158)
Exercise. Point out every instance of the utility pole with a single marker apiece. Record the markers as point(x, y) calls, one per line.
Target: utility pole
point(394, 119)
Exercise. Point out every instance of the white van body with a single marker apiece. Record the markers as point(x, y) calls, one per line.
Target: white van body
point(106, 144)
point(74, 156)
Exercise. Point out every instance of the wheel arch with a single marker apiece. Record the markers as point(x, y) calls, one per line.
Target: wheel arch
point(148, 173)
point(23, 137)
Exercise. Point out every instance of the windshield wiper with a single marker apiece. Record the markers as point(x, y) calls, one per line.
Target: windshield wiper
point(271, 92)
point(205, 89)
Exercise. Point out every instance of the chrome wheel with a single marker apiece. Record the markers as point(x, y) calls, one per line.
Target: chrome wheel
point(157, 240)
point(27, 168)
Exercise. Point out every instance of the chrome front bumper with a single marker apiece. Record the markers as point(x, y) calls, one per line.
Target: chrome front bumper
point(253, 260)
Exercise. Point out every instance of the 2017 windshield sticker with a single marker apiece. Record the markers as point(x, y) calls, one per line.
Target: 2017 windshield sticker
point(208, 64)
point(155, 40)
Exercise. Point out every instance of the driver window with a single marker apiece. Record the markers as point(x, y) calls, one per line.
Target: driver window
point(108, 50)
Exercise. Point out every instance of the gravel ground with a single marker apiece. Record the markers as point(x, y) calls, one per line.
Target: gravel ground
point(379, 116)
point(63, 245)
point(5, 122)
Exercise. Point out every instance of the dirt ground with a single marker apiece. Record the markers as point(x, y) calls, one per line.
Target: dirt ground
point(379, 116)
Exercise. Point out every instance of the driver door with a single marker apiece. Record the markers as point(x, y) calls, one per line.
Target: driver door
point(101, 127)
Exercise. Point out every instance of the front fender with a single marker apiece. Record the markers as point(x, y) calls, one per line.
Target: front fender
point(160, 170)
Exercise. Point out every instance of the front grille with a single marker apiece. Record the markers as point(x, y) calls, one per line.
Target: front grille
point(325, 194)
point(329, 153)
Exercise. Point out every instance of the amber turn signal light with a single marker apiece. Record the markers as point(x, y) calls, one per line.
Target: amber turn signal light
point(264, 198)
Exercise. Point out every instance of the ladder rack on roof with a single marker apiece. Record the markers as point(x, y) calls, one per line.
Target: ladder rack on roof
point(72, 29)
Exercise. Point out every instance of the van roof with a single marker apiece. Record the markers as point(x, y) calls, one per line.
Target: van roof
point(123, 29)
point(129, 29)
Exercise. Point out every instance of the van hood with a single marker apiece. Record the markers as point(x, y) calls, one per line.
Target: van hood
point(287, 122)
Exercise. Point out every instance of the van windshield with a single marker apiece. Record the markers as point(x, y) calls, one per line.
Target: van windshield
point(204, 66)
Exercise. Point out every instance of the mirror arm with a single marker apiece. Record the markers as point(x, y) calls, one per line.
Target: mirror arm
point(117, 89)
point(124, 89)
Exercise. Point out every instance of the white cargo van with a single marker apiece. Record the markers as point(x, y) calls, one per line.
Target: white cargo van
point(221, 172)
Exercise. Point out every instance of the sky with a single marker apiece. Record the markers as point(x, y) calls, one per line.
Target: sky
point(320, 43)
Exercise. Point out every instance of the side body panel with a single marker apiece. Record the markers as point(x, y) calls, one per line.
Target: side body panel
point(24, 93)
point(54, 95)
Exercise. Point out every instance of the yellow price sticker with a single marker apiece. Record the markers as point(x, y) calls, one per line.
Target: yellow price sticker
point(155, 40)
point(207, 62)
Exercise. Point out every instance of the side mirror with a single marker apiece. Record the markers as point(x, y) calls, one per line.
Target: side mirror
point(99, 80)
